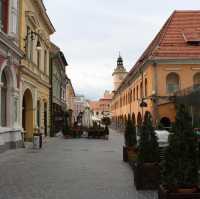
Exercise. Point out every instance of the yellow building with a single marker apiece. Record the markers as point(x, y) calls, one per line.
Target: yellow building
point(34, 33)
point(169, 65)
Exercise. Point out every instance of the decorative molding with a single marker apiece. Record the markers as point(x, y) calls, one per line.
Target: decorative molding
point(195, 68)
point(173, 69)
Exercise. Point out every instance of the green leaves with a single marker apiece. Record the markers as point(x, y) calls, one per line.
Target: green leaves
point(130, 133)
point(180, 167)
point(148, 142)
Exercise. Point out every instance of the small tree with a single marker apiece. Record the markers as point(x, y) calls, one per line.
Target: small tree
point(106, 121)
point(130, 133)
point(148, 142)
point(180, 167)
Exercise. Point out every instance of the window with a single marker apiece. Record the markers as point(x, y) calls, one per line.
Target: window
point(172, 82)
point(137, 93)
point(141, 90)
point(29, 44)
point(196, 79)
point(4, 15)
point(38, 113)
point(145, 88)
point(38, 58)
point(14, 16)
point(3, 99)
point(45, 62)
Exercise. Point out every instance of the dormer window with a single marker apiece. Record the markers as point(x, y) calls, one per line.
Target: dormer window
point(192, 37)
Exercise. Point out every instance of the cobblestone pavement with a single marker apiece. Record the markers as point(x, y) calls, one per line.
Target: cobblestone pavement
point(69, 169)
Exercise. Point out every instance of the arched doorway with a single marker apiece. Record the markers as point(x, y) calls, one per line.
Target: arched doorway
point(27, 115)
point(165, 123)
point(133, 118)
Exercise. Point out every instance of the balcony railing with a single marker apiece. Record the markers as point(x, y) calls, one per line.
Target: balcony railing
point(187, 91)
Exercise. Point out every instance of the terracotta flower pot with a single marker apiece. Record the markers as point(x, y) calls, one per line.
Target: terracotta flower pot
point(181, 193)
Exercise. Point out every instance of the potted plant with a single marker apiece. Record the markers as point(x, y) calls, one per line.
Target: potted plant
point(180, 166)
point(146, 168)
point(130, 149)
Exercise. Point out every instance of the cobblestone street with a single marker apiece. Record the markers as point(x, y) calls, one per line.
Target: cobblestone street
point(69, 169)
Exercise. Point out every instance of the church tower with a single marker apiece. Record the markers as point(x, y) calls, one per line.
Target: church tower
point(119, 73)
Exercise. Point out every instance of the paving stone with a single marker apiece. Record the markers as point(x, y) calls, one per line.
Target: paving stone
point(69, 169)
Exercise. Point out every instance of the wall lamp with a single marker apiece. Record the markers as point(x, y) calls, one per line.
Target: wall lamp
point(33, 35)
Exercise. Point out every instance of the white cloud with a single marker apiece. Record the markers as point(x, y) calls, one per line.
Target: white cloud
point(91, 32)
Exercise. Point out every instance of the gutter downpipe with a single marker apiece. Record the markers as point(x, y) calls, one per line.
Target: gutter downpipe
point(154, 95)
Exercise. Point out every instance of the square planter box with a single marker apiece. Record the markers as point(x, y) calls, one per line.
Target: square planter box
point(164, 193)
point(125, 154)
point(129, 154)
point(146, 176)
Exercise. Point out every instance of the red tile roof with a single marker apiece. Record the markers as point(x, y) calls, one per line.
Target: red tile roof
point(173, 37)
point(172, 42)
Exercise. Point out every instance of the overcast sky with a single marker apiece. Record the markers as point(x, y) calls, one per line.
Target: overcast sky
point(92, 32)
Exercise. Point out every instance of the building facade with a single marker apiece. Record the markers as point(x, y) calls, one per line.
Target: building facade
point(80, 103)
point(35, 30)
point(70, 100)
point(170, 63)
point(102, 107)
point(10, 56)
point(58, 80)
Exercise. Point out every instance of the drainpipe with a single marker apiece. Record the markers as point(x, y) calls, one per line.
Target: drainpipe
point(154, 95)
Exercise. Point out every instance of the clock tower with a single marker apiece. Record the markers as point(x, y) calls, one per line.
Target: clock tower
point(119, 73)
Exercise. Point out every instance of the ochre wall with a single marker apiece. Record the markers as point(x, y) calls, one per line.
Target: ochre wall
point(186, 73)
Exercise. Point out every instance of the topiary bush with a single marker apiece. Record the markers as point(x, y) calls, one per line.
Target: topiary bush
point(180, 167)
point(130, 133)
point(148, 149)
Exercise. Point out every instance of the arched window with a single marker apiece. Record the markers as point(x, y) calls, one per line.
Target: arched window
point(131, 96)
point(172, 82)
point(196, 79)
point(3, 99)
point(141, 90)
point(145, 88)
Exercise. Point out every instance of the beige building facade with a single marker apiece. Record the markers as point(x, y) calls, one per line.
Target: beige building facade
point(35, 30)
